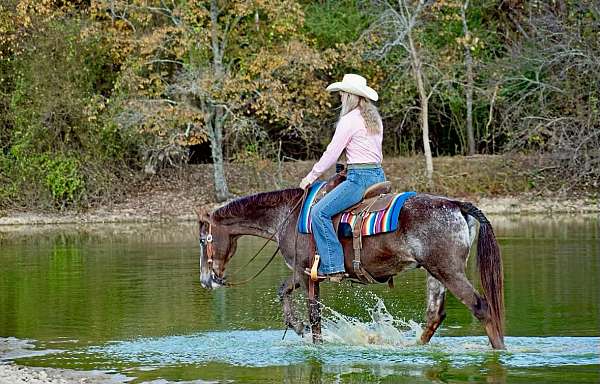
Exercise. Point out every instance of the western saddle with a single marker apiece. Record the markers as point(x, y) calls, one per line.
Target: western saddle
point(376, 198)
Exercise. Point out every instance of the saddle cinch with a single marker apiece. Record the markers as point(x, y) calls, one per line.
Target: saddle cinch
point(377, 212)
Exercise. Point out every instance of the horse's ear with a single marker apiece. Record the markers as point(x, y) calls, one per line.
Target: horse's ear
point(203, 214)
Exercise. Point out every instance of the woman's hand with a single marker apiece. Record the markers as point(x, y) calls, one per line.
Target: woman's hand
point(305, 183)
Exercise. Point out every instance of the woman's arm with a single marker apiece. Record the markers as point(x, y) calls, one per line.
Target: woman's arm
point(341, 138)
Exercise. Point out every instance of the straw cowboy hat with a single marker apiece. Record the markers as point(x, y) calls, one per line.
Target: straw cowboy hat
point(354, 84)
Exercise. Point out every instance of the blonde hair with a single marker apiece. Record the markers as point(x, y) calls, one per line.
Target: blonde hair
point(367, 109)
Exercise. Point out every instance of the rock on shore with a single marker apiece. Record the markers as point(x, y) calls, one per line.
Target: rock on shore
point(18, 374)
point(10, 373)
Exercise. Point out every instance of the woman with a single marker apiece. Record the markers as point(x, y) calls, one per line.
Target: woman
point(359, 131)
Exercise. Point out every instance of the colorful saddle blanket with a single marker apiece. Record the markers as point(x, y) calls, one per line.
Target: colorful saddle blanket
point(385, 220)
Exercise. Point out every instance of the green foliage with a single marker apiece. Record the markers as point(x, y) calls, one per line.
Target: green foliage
point(63, 179)
point(334, 22)
point(60, 175)
point(59, 114)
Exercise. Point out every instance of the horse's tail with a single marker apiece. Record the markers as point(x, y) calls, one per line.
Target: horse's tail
point(489, 263)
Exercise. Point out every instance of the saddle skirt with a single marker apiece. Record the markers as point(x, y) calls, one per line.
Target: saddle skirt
point(378, 214)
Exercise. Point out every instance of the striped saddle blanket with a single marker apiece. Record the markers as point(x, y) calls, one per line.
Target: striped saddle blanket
point(374, 222)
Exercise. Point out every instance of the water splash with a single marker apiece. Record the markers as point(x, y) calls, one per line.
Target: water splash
point(263, 348)
point(382, 341)
point(382, 329)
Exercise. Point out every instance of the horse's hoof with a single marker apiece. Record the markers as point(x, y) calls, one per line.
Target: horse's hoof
point(301, 329)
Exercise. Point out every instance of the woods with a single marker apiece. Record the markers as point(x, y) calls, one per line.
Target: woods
point(94, 94)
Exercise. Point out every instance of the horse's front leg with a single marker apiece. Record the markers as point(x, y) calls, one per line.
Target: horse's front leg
point(314, 311)
point(285, 297)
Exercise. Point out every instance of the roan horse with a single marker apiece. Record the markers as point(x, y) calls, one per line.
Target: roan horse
point(435, 233)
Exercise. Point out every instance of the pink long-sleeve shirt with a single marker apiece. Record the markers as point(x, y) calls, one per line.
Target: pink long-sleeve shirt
point(350, 134)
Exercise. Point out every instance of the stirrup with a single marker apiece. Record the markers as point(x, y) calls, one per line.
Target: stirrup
point(334, 277)
point(313, 270)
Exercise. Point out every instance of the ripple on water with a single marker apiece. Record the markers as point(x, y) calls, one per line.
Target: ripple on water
point(266, 348)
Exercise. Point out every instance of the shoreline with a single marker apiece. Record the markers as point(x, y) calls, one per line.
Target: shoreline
point(11, 373)
point(12, 348)
point(504, 185)
point(183, 212)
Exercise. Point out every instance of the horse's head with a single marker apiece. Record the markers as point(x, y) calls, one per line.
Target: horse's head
point(217, 246)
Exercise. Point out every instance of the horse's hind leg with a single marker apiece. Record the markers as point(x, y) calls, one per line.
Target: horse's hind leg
point(460, 287)
point(436, 293)
point(285, 297)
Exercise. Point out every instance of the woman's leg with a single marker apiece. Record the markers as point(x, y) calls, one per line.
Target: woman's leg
point(329, 248)
point(341, 197)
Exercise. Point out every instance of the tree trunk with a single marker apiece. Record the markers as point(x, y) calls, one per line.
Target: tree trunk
point(216, 146)
point(469, 85)
point(417, 70)
point(218, 118)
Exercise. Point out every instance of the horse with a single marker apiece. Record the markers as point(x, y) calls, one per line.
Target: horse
point(434, 233)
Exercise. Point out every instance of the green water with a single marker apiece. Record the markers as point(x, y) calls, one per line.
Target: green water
point(126, 298)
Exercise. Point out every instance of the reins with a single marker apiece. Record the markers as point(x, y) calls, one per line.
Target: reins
point(210, 250)
point(257, 273)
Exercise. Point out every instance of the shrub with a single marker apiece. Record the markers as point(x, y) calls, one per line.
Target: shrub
point(62, 148)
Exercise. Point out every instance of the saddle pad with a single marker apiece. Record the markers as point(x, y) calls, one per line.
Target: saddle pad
point(304, 221)
point(375, 222)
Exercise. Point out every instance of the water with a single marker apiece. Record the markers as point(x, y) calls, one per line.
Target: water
point(125, 298)
point(381, 329)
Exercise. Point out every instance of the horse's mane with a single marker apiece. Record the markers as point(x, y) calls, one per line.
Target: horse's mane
point(246, 206)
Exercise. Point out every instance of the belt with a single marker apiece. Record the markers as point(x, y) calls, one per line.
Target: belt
point(364, 165)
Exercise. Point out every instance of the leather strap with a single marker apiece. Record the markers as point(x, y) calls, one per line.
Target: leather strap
point(360, 272)
point(357, 246)
point(313, 259)
point(210, 250)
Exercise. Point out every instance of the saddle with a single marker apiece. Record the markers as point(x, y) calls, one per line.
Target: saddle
point(376, 198)
point(373, 214)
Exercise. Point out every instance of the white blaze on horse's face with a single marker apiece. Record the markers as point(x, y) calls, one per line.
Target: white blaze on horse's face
point(212, 258)
point(206, 272)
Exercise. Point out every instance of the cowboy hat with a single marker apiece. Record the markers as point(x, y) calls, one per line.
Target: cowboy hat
point(354, 84)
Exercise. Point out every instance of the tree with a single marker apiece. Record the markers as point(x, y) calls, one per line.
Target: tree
point(548, 100)
point(395, 26)
point(469, 72)
point(227, 91)
point(218, 69)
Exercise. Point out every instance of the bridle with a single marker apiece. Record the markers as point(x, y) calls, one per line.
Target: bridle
point(210, 250)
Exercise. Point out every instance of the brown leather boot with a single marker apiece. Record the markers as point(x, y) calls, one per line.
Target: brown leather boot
point(333, 277)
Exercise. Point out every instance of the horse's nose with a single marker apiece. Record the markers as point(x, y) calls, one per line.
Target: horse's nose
point(206, 282)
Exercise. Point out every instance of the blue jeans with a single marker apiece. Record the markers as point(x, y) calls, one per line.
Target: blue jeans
point(341, 197)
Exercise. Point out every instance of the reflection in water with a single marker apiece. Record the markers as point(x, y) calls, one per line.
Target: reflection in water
point(496, 371)
point(316, 371)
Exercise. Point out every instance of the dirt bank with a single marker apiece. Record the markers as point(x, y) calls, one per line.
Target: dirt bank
point(499, 185)
point(183, 210)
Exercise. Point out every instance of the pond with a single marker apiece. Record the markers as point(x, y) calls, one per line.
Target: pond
point(126, 298)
